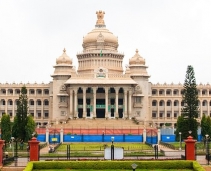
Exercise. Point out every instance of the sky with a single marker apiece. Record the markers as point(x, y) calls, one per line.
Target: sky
point(169, 34)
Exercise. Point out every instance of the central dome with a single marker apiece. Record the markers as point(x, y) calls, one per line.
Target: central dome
point(98, 33)
point(100, 37)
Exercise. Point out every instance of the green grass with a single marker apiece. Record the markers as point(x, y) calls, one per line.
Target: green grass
point(100, 146)
point(113, 170)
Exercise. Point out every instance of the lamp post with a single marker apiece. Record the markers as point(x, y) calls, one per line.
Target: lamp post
point(12, 138)
point(134, 166)
point(112, 148)
point(180, 141)
point(207, 148)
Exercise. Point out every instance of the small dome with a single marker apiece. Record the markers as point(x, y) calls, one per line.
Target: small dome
point(64, 59)
point(137, 59)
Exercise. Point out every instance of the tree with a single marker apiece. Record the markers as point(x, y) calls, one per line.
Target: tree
point(30, 127)
point(205, 125)
point(5, 128)
point(190, 109)
point(20, 120)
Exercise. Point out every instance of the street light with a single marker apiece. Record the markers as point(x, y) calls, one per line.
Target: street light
point(112, 148)
point(180, 141)
point(12, 138)
point(207, 148)
point(134, 166)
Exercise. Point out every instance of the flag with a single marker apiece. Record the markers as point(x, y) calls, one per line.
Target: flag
point(101, 53)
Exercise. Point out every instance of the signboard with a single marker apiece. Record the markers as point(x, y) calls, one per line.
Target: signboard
point(54, 139)
point(118, 153)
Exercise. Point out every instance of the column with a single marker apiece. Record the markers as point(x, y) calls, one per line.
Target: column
point(106, 102)
point(6, 103)
point(125, 101)
point(35, 108)
point(116, 102)
point(75, 104)
point(42, 108)
point(129, 103)
point(201, 110)
point(71, 102)
point(61, 135)
point(84, 102)
point(47, 136)
point(159, 136)
point(144, 135)
point(94, 101)
point(13, 108)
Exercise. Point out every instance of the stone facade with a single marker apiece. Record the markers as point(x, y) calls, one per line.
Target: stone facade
point(101, 88)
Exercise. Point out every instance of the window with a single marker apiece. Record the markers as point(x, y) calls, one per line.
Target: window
point(182, 103)
point(46, 115)
point(39, 91)
point(204, 103)
point(10, 102)
point(39, 115)
point(168, 92)
point(168, 115)
point(154, 115)
point(46, 103)
point(153, 92)
point(160, 92)
point(31, 91)
point(138, 99)
point(160, 115)
point(17, 91)
point(11, 91)
point(4, 91)
point(32, 102)
point(46, 91)
point(154, 103)
point(62, 99)
point(168, 103)
point(32, 114)
point(63, 113)
point(38, 102)
point(203, 92)
point(3, 102)
point(175, 92)
point(161, 103)
point(175, 103)
point(10, 114)
point(175, 115)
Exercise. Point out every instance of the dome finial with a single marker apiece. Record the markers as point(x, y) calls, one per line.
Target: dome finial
point(64, 50)
point(136, 50)
point(100, 19)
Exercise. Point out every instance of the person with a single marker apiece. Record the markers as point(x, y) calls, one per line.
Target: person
point(21, 145)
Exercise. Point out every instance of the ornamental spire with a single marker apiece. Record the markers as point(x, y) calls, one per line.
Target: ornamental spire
point(100, 19)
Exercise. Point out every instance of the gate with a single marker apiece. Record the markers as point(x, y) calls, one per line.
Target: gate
point(151, 136)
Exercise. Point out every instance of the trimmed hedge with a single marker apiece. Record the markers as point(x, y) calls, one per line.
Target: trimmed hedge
point(167, 164)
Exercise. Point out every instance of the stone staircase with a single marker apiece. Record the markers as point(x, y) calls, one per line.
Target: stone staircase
point(102, 123)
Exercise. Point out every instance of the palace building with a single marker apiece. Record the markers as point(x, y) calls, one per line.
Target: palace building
point(102, 88)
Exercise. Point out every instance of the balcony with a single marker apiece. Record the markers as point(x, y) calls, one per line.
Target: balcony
point(137, 105)
point(62, 104)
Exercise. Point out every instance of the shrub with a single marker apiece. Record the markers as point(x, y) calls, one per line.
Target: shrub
point(168, 164)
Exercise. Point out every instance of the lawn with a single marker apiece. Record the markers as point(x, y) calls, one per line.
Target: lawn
point(113, 170)
point(100, 146)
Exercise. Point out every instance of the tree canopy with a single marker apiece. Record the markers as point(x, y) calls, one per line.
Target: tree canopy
point(187, 122)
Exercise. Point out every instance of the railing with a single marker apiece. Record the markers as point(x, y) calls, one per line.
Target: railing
point(168, 145)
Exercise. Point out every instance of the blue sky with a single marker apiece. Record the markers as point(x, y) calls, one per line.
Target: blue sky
point(169, 34)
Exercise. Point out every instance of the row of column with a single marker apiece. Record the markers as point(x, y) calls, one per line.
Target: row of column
point(74, 110)
point(201, 111)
